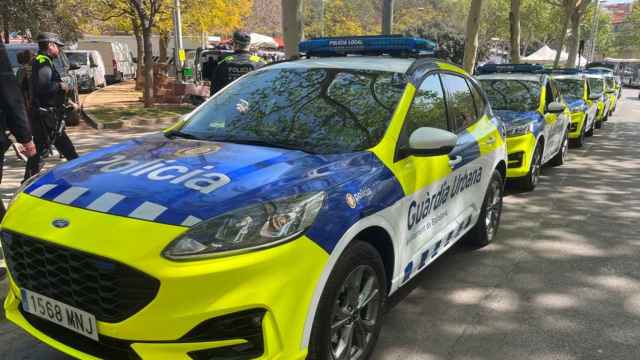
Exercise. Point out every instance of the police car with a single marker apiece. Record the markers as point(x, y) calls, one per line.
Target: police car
point(271, 222)
point(535, 114)
point(611, 88)
point(581, 102)
point(597, 87)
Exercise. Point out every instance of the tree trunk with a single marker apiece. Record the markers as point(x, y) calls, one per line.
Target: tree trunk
point(5, 26)
point(148, 66)
point(292, 26)
point(164, 43)
point(387, 17)
point(471, 36)
point(514, 22)
point(569, 8)
point(574, 40)
point(140, 54)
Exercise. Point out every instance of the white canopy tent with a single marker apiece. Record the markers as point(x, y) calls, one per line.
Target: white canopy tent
point(263, 41)
point(546, 55)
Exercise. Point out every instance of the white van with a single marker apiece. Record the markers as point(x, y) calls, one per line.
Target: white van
point(115, 60)
point(91, 72)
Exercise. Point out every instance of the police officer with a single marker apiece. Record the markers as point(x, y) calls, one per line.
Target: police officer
point(239, 63)
point(48, 98)
point(13, 119)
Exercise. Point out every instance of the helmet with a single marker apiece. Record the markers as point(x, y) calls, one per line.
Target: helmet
point(241, 38)
point(48, 37)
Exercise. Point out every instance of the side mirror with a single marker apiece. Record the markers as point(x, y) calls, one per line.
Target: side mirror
point(594, 96)
point(556, 107)
point(74, 66)
point(428, 141)
point(94, 65)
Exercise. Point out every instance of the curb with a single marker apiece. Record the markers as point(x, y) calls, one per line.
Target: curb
point(87, 118)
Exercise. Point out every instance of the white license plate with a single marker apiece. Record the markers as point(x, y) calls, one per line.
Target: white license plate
point(60, 313)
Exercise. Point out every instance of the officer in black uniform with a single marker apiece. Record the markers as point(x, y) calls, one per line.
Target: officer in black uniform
point(239, 63)
point(13, 119)
point(48, 99)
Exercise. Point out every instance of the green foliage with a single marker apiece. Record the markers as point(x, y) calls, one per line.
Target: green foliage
point(605, 43)
point(627, 39)
point(29, 17)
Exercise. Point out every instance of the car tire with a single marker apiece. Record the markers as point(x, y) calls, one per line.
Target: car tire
point(486, 228)
point(561, 157)
point(599, 124)
point(589, 133)
point(358, 267)
point(530, 181)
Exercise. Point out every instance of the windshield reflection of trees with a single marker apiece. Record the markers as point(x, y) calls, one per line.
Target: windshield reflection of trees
point(515, 95)
point(316, 110)
point(571, 88)
point(597, 86)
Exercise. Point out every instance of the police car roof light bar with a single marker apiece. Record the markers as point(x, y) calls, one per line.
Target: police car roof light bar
point(510, 68)
point(394, 45)
point(563, 71)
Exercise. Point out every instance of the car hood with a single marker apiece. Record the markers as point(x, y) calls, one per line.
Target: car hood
point(575, 103)
point(181, 182)
point(514, 118)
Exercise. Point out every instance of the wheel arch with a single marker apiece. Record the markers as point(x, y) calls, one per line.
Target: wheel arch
point(380, 239)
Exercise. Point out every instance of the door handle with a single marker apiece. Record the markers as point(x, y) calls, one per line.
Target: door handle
point(456, 161)
point(490, 141)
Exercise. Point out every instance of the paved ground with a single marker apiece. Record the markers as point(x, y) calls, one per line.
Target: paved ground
point(562, 280)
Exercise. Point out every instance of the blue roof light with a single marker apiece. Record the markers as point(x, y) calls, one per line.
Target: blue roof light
point(394, 45)
point(563, 71)
point(510, 68)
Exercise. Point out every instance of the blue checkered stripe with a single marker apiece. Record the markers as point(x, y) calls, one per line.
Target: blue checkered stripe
point(108, 202)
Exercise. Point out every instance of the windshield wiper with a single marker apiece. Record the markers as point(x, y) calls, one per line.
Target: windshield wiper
point(180, 134)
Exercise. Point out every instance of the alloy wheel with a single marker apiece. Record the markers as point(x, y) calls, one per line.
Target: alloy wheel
point(355, 314)
point(493, 209)
point(536, 167)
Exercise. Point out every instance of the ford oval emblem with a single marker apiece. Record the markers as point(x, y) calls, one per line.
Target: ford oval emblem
point(60, 223)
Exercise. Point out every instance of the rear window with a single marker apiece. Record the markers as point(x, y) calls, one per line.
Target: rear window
point(512, 94)
point(77, 57)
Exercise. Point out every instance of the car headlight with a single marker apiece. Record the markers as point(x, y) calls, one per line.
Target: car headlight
point(521, 129)
point(25, 185)
point(249, 228)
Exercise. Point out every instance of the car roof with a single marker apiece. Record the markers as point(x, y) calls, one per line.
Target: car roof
point(511, 76)
point(374, 63)
point(21, 46)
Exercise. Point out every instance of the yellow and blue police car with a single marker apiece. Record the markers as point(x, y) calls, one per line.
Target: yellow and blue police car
point(537, 119)
point(272, 222)
point(583, 105)
point(598, 86)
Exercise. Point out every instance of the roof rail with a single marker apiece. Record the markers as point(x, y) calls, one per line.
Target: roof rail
point(393, 45)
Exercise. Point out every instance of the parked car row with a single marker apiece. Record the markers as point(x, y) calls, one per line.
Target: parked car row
point(545, 110)
point(276, 219)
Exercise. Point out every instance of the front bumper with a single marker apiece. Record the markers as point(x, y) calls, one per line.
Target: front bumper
point(577, 123)
point(520, 151)
point(279, 280)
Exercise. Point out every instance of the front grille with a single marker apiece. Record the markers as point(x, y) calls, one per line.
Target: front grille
point(110, 291)
point(106, 348)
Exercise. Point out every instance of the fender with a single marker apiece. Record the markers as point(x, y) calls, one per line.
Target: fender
point(345, 240)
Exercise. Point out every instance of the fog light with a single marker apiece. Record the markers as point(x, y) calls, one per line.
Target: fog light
point(245, 325)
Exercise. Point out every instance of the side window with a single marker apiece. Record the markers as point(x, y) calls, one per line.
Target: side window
point(460, 103)
point(549, 97)
point(477, 98)
point(428, 108)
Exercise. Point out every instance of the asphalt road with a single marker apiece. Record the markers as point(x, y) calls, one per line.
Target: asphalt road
point(561, 281)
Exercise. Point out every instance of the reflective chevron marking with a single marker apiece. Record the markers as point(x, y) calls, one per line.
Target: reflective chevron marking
point(70, 195)
point(148, 211)
point(105, 202)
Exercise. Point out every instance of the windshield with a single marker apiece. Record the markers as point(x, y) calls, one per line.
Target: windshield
point(596, 85)
point(571, 88)
point(77, 57)
point(610, 82)
point(315, 110)
point(512, 94)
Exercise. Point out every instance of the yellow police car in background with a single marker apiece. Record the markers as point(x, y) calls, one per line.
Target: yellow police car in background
point(535, 114)
point(598, 86)
point(582, 104)
point(273, 222)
